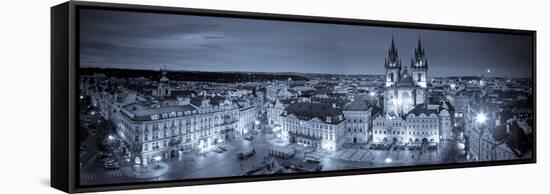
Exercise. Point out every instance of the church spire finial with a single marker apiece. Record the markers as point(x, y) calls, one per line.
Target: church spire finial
point(419, 42)
point(393, 57)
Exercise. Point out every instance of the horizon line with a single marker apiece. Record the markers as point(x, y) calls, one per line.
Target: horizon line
point(282, 72)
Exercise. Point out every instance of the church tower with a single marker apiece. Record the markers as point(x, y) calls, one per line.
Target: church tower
point(419, 66)
point(163, 88)
point(392, 65)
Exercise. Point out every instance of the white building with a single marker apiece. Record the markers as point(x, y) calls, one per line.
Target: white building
point(248, 115)
point(164, 131)
point(316, 125)
point(358, 121)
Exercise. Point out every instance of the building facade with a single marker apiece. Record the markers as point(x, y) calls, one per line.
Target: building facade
point(167, 130)
point(358, 122)
point(314, 125)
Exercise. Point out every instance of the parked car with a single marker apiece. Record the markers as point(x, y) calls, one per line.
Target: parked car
point(111, 165)
point(255, 132)
point(312, 159)
point(218, 150)
point(372, 146)
point(249, 138)
point(245, 154)
point(222, 148)
point(318, 167)
point(395, 147)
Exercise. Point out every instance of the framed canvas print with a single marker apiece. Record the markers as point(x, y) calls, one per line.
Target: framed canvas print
point(146, 96)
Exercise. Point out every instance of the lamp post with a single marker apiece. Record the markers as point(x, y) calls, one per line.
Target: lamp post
point(480, 120)
point(157, 160)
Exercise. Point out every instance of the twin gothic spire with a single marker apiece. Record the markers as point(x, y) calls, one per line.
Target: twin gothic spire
point(419, 59)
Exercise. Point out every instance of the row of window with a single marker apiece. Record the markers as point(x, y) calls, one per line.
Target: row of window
point(410, 126)
point(201, 133)
point(355, 130)
point(396, 132)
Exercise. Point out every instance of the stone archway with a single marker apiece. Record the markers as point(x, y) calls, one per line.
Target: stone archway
point(174, 153)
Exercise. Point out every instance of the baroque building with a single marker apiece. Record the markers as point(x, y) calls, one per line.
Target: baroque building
point(314, 125)
point(358, 121)
point(164, 128)
point(163, 88)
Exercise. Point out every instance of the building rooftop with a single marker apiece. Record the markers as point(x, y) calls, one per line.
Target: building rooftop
point(142, 112)
point(419, 109)
point(357, 105)
point(308, 110)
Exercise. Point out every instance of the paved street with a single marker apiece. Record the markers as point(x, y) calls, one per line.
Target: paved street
point(194, 165)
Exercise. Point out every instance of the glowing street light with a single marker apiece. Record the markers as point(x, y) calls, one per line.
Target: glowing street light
point(111, 137)
point(481, 118)
point(157, 158)
point(388, 160)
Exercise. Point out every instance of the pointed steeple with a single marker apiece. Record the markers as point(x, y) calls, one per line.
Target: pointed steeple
point(392, 49)
point(393, 57)
point(419, 47)
point(419, 59)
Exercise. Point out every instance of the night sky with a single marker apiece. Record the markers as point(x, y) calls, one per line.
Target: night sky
point(151, 41)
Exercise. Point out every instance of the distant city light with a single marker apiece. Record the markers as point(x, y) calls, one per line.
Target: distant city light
point(81, 97)
point(452, 86)
point(157, 158)
point(488, 70)
point(111, 137)
point(396, 101)
point(93, 113)
point(257, 122)
point(461, 146)
point(372, 94)
point(481, 118)
point(388, 160)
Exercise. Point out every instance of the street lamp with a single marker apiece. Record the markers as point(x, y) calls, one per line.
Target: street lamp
point(481, 118)
point(157, 159)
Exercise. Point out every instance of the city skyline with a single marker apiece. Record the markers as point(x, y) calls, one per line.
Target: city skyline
point(197, 43)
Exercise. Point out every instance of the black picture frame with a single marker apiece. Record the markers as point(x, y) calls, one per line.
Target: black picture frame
point(64, 88)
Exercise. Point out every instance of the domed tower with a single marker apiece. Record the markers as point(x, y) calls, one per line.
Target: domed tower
point(419, 66)
point(163, 88)
point(392, 65)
